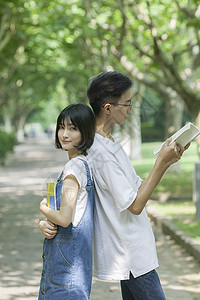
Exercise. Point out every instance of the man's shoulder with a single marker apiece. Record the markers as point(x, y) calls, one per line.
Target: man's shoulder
point(101, 145)
point(101, 150)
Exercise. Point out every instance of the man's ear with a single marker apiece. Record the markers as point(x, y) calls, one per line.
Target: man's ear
point(107, 108)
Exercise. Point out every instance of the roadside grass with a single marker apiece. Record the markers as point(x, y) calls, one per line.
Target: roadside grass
point(190, 226)
point(172, 183)
point(175, 186)
point(183, 216)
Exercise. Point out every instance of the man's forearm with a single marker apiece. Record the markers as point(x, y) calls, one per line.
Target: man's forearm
point(167, 156)
point(146, 189)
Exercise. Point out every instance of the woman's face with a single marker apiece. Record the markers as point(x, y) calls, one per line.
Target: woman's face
point(69, 136)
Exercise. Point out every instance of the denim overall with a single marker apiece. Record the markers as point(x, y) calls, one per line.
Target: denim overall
point(67, 258)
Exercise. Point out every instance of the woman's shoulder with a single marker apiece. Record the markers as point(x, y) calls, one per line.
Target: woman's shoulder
point(75, 166)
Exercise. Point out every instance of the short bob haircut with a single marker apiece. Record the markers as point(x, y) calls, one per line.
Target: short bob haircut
point(81, 117)
point(107, 87)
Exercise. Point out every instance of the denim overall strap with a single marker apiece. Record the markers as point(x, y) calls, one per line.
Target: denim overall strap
point(90, 183)
point(60, 176)
point(59, 190)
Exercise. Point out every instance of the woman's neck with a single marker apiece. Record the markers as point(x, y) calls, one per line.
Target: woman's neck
point(74, 154)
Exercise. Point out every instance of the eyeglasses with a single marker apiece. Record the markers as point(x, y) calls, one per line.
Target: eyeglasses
point(121, 104)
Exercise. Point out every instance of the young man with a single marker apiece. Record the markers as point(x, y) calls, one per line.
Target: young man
point(124, 241)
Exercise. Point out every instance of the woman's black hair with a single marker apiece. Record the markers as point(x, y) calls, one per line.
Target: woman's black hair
point(106, 87)
point(83, 118)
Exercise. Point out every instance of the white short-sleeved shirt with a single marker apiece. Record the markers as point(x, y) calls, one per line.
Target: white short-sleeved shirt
point(124, 242)
point(76, 167)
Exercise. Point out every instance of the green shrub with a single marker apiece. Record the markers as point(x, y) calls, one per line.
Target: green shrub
point(7, 143)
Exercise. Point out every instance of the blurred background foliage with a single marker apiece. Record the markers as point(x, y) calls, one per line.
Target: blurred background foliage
point(49, 49)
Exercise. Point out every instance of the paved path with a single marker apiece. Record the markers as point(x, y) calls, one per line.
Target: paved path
point(21, 189)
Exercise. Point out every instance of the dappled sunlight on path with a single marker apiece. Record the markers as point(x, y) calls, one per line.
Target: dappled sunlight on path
point(21, 189)
point(179, 272)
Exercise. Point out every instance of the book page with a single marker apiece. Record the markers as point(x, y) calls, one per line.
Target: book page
point(183, 136)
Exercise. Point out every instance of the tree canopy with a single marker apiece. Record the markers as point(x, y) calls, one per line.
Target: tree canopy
point(51, 46)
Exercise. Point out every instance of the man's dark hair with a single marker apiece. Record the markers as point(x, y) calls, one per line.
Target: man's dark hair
point(81, 117)
point(107, 87)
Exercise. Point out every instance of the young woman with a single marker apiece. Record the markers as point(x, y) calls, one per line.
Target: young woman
point(67, 258)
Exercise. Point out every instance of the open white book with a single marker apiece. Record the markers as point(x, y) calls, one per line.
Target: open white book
point(183, 136)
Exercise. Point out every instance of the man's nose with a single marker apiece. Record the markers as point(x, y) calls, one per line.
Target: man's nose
point(129, 109)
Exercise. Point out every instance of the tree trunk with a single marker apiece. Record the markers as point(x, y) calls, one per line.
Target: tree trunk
point(196, 190)
point(174, 115)
point(20, 128)
point(134, 130)
point(133, 141)
point(7, 123)
point(130, 133)
point(197, 122)
point(173, 122)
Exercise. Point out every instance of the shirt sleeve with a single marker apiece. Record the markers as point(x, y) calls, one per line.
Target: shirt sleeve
point(76, 168)
point(123, 191)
